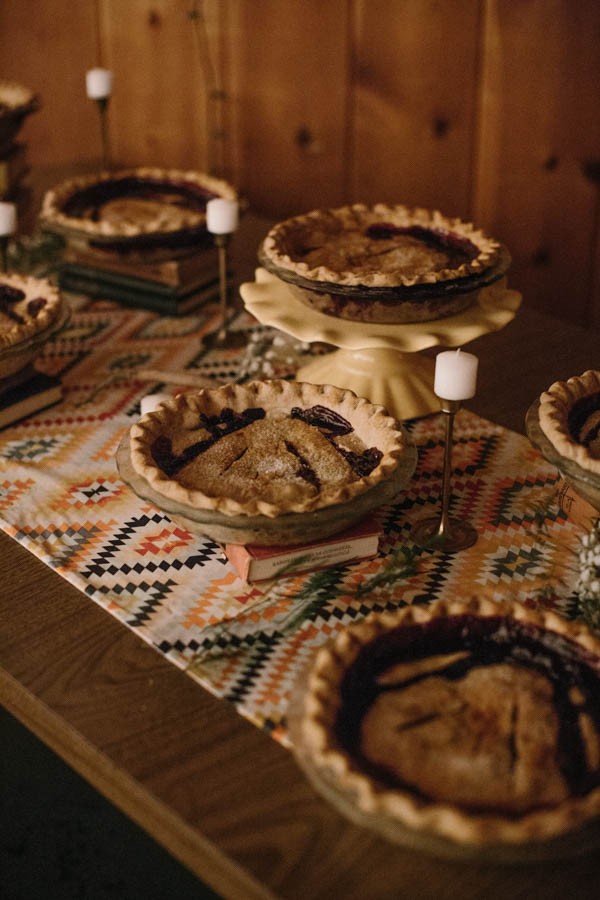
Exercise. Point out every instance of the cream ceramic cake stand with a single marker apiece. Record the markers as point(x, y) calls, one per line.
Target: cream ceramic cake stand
point(379, 362)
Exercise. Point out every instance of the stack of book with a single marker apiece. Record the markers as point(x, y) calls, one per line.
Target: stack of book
point(169, 286)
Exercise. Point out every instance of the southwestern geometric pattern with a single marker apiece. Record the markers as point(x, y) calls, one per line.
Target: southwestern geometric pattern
point(62, 498)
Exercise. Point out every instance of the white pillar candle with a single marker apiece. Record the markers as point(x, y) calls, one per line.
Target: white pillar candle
point(8, 219)
point(98, 83)
point(455, 375)
point(152, 401)
point(221, 215)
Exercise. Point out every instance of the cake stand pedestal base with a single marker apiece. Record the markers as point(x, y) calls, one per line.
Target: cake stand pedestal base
point(396, 380)
point(381, 362)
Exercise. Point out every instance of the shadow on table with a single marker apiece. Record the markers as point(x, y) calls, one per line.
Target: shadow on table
point(60, 839)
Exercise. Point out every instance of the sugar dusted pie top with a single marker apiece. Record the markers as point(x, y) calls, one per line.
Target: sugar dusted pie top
point(28, 305)
point(132, 202)
point(378, 246)
point(569, 416)
point(268, 448)
point(476, 721)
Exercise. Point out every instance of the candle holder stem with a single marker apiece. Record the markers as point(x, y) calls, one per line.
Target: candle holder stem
point(4, 252)
point(223, 337)
point(443, 532)
point(102, 103)
point(221, 242)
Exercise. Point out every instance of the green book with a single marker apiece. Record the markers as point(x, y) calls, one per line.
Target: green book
point(135, 291)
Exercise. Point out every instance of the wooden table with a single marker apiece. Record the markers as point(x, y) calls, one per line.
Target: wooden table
point(220, 795)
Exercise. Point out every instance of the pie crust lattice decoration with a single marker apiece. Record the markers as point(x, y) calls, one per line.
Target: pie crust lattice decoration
point(28, 306)
point(266, 448)
point(569, 416)
point(131, 204)
point(475, 722)
point(382, 263)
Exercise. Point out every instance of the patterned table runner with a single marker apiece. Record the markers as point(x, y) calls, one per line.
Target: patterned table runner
point(62, 498)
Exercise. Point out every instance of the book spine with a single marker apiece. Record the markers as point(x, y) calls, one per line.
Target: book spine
point(301, 559)
point(167, 304)
point(575, 507)
point(180, 274)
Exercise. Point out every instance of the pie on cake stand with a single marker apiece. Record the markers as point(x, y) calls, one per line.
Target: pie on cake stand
point(376, 360)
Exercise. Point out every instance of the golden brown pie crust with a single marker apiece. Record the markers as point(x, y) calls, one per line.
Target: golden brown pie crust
point(474, 759)
point(334, 246)
point(272, 466)
point(27, 316)
point(556, 405)
point(16, 99)
point(127, 217)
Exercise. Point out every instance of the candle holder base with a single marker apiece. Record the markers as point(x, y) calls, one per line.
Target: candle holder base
point(456, 535)
point(223, 339)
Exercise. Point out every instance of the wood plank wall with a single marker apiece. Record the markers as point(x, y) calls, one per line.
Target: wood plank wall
point(485, 109)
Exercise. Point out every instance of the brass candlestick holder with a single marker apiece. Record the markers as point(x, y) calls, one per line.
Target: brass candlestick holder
point(102, 103)
point(443, 532)
point(4, 252)
point(223, 337)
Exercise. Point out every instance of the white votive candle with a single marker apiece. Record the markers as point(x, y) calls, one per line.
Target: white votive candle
point(8, 219)
point(98, 83)
point(152, 401)
point(455, 375)
point(221, 215)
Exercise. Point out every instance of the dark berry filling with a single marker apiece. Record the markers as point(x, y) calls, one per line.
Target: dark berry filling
point(10, 295)
point(87, 203)
point(459, 249)
point(579, 413)
point(35, 306)
point(488, 640)
point(227, 422)
point(329, 423)
point(326, 420)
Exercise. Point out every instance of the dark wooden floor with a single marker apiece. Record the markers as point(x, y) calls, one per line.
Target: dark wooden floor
point(60, 840)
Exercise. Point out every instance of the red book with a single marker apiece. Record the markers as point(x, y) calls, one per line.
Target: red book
point(254, 563)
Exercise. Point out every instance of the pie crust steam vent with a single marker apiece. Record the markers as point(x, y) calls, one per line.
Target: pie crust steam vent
point(472, 721)
point(266, 448)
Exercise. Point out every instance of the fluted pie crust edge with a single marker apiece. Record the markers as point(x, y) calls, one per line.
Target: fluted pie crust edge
point(53, 213)
point(321, 702)
point(371, 424)
point(316, 227)
point(555, 405)
point(14, 332)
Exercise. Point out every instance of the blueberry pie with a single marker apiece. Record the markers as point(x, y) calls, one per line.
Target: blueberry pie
point(266, 448)
point(140, 206)
point(476, 722)
point(28, 306)
point(381, 263)
point(569, 416)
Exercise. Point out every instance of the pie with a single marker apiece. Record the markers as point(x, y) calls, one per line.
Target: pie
point(266, 448)
point(569, 416)
point(28, 306)
point(473, 721)
point(380, 263)
point(141, 205)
